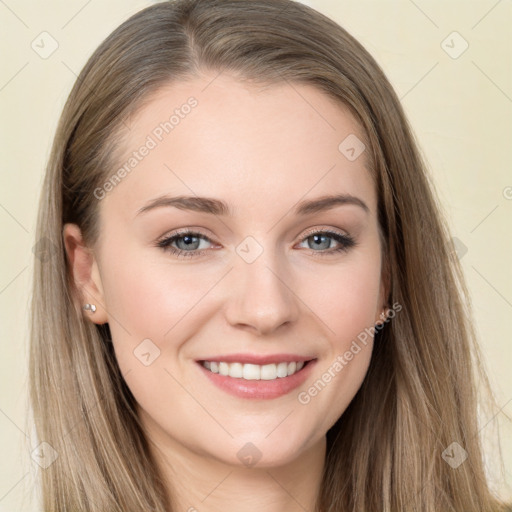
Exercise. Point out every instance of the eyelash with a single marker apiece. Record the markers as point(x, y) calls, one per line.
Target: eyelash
point(346, 242)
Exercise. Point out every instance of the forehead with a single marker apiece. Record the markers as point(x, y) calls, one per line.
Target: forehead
point(254, 146)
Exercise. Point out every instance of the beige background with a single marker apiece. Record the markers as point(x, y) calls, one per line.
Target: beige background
point(460, 109)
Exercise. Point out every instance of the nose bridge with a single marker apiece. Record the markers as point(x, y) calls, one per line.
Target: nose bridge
point(261, 296)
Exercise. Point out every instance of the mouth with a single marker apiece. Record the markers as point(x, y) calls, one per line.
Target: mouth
point(248, 371)
point(261, 381)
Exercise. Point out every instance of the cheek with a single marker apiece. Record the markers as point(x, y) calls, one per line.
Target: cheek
point(345, 297)
point(149, 299)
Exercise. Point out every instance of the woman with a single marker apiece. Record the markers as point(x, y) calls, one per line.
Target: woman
point(252, 300)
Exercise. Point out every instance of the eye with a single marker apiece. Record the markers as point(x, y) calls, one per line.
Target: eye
point(322, 240)
point(188, 243)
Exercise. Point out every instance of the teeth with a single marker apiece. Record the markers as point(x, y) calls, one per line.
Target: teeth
point(235, 370)
point(223, 368)
point(254, 371)
point(251, 371)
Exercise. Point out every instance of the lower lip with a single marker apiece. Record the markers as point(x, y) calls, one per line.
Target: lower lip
point(259, 389)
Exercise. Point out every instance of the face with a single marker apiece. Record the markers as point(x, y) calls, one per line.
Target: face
point(264, 275)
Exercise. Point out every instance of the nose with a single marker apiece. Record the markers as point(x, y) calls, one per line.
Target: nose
point(260, 296)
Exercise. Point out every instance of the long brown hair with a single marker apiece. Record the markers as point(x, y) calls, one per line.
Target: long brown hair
point(421, 391)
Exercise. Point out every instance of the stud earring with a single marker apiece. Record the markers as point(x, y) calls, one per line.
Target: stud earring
point(89, 307)
point(384, 318)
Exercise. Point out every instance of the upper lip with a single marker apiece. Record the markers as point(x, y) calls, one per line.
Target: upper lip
point(257, 359)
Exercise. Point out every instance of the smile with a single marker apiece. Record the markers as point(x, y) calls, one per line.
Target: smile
point(254, 371)
point(257, 381)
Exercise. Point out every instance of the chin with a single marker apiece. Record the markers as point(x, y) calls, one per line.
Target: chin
point(261, 452)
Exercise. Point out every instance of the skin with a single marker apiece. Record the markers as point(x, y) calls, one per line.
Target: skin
point(261, 150)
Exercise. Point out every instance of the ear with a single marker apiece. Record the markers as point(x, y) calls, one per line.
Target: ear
point(85, 273)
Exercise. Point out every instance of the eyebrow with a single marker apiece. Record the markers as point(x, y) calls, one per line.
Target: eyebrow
point(218, 207)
